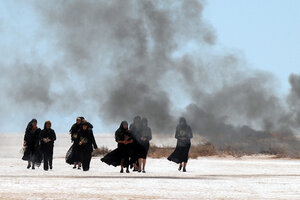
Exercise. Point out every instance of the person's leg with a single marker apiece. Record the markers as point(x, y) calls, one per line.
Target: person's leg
point(126, 163)
point(135, 167)
point(180, 166)
point(88, 161)
point(51, 160)
point(46, 160)
point(28, 165)
point(144, 164)
point(184, 167)
point(122, 165)
point(140, 164)
point(31, 160)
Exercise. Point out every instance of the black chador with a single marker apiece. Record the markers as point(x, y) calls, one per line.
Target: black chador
point(47, 143)
point(136, 130)
point(75, 128)
point(72, 156)
point(183, 135)
point(86, 143)
point(144, 139)
point(122, 154)
point(32, 152)
point(143, 145)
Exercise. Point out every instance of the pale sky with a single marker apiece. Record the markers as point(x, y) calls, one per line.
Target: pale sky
point(267, 32)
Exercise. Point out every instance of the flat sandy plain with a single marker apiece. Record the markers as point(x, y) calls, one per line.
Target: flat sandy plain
point(254, 177)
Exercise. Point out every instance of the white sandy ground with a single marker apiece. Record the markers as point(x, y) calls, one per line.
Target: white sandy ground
point(256, 177)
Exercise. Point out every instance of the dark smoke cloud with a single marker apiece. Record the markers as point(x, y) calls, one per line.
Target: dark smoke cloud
point(130, 45)
point(116, 59)
point(294, 100)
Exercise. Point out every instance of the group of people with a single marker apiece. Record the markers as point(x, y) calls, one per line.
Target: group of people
point(132, 145)
point(38, 145)
point(82, 137)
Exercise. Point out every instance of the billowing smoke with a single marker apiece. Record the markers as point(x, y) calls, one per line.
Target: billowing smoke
point(116, 59)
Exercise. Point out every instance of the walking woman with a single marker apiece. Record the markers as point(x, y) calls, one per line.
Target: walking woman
point(72, 156)
point(47, 143)
point(85, 146)
point(136, 131)
point(121, 155)
point(183, 135)
point(32, 152)
point(146, 136)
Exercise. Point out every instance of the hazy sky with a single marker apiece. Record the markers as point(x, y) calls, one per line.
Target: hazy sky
point(266, 33)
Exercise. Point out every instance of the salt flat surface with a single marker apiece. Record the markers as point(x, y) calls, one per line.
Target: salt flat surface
point(254, 177)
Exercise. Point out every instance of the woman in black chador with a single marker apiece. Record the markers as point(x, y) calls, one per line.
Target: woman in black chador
point(143, 141)
point(32, 151)
point(72, 156)
point(121, 155)
point(86, 143)
point(136, 130)
point(47, 143)
point(183, 135)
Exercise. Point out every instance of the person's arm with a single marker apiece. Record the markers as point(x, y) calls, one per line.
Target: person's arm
point(42, 138)
point(25, 138)
point(177, 133)
point(53, 136)
point(118, 138)
point(93, 140)
point(190, 133)
point(179, 137)
point(71, 131)
point(129, 141)
point(149, 134)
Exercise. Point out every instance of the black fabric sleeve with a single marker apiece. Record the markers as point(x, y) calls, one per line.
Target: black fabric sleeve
point(149, 134)
point(117, 136)
point(177, 133)
point(54, 136)
point(190, 133)
point(93, 139)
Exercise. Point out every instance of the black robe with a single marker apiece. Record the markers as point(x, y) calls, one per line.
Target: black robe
point(123, 151)
point(72, 155)
point(144, 145)
point(86, 137)
point(181, 151)
point(74, 131)
point(32, 151)
point(136, 130)
point(47, 147)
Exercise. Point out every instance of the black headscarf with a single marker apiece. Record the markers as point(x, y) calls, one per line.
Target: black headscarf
point(137, 119)
point(122, 125)
point(84, 124)
point(144, 122)
point(82, 118)
point(46, 122)
point(182, 122)
point(29, 125)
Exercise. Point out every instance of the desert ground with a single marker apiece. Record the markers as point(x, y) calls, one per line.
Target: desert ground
point(249, 177)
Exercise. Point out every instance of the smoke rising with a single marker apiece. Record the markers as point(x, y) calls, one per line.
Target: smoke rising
point(121, 58)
